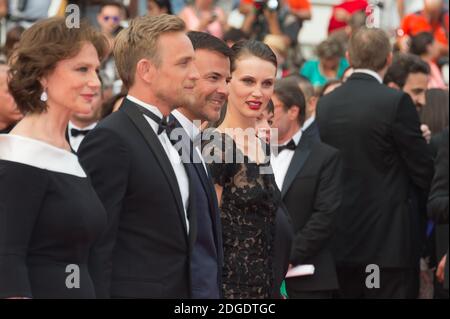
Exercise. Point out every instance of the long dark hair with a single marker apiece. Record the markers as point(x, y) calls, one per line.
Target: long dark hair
point(435, 112)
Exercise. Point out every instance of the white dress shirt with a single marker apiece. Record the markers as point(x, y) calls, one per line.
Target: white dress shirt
point(192, 130)
point(75, 142)
point(171, 152)
point(281, 162)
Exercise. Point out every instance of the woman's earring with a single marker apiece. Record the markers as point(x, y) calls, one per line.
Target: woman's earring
point(44, 96)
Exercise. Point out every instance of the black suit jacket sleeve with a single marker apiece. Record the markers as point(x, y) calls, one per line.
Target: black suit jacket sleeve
point(106, 161)
point(315, 234)
point(413, 148)
point(438, 202)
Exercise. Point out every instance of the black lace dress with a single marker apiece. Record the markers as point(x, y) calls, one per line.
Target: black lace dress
point(248, 210)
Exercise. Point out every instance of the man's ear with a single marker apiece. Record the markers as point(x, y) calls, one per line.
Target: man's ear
point(145, 71)
point(293, 113)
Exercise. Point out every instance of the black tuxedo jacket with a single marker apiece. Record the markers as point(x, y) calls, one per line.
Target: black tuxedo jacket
point(385, 157)
point(312, 193)
point(145, 252)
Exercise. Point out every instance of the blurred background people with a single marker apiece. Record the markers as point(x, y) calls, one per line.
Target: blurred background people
point(204, 16)
point(9, 113)
point(157, 7)
point(343, 12)
point(433, 18)
point(330, 64)
point(425, 46)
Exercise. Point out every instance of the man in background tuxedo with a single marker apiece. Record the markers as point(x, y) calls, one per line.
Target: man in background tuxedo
point(308, 173)
point(213, 62)
point(377, 130)
point(9, 113)
point(81, 124)
point(309, 126)
point(137, 172)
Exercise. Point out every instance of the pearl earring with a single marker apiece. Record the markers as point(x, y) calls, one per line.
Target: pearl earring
point(44, 96)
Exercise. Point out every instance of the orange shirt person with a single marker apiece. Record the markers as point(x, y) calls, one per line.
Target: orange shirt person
point(432, 19)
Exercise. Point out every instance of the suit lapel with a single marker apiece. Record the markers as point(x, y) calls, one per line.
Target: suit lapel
point(298, 161)
point(154, 144)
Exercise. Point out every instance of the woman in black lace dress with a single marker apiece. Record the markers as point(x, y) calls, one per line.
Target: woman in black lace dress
point(246, 189)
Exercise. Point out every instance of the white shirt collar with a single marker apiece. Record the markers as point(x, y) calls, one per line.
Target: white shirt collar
point(192, 130)
point(297, 136)
point(149, 107)
point(28, 151)
point(370, 72)
point(308, 123)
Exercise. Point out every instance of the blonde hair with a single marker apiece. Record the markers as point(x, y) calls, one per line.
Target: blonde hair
point(140, 40)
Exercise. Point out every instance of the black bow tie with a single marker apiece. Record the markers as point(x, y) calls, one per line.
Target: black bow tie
point(289, 146)
point(76, 132)
point(163, 124)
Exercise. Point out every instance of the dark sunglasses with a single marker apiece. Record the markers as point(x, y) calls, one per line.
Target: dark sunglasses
point(116, 19)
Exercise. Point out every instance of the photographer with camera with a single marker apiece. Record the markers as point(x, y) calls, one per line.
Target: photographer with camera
point(277, 17)
point(261, 18)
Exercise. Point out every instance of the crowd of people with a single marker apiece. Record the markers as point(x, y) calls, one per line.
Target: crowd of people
point(187, 149)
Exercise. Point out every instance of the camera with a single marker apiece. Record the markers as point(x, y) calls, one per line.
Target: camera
point(271, 5)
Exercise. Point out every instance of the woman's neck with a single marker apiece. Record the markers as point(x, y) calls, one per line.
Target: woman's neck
point(49, 127)
point(234, 119)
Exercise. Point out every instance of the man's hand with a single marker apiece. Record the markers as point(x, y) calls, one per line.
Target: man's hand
point(440, 272)
point(426, 133)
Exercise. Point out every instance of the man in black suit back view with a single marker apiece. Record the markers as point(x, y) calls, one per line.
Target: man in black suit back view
point(137, 172)
point(377, 130)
